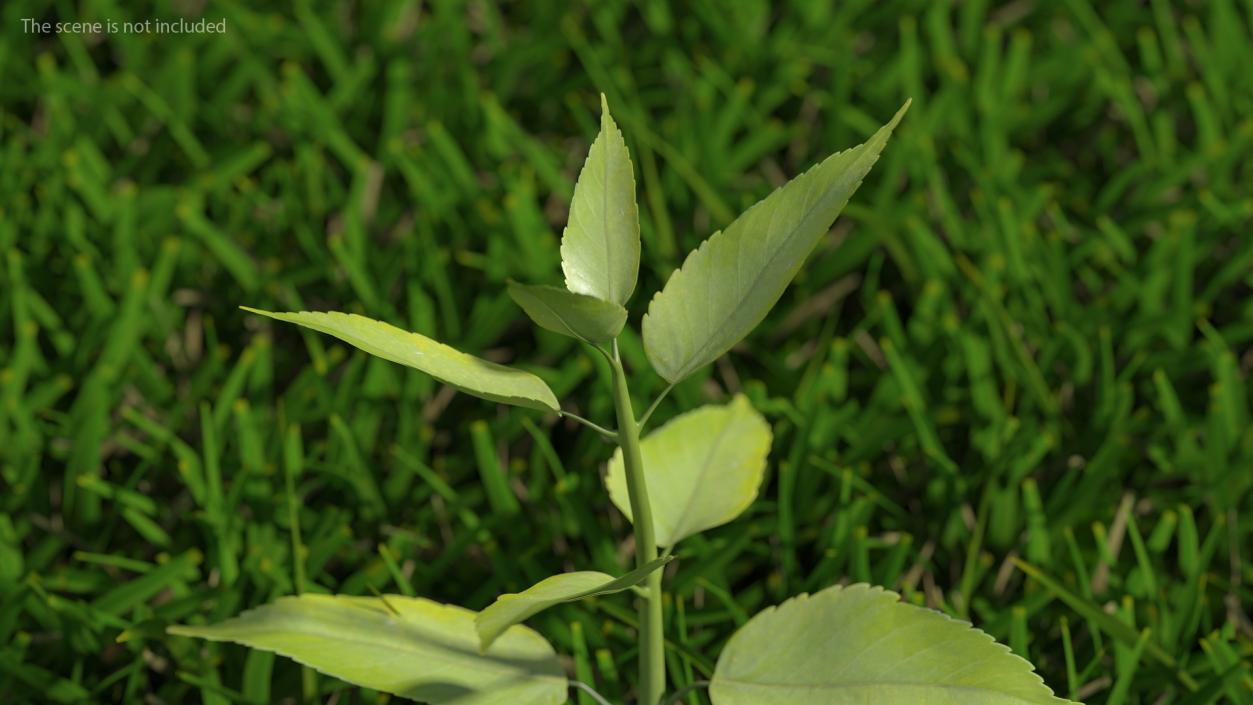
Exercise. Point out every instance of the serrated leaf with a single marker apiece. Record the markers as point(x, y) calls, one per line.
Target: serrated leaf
point(425, 651)
point(702, 469)
point(470, 374)
point(600, 248)
point(514, 608)
point(579, 316)
point(860, 644)
point(728, 284)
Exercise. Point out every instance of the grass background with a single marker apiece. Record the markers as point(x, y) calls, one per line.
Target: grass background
point(1012, 384)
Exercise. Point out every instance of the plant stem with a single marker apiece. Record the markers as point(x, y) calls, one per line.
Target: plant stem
point(652, 682)
point(590, 691)
point(678, 694)
point(293, 461)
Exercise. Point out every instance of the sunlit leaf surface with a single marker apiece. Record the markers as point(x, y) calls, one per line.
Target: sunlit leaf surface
point(470, 374)
point(513, 608)
point(728, 284)
point(424, 650)
point(859, 645)
point(600, 248)
point(702, 469)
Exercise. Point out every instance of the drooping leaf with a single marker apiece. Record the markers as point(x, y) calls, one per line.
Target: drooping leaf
point(470, 374)
point(702, 469)
point(728, 284)
point(514, 608)
point(577, 315)
point(425, 650)
point(860, 644)
point(600, 248)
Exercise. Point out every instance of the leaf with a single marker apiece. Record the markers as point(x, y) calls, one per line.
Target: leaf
point(728, 284)
point(587, 318)
point(406, 646)
point(860, 644)
point(600, 248)
point(702, 469)
point(514, 608)
point(470, 374)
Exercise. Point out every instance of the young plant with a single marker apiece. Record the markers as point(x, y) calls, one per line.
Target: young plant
point(841, 646)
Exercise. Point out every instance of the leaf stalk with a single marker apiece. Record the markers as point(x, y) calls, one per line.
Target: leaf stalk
point(653, 407)
point(611, 435)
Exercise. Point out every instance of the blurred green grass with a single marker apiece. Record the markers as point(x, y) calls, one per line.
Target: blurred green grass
point(1013, 384)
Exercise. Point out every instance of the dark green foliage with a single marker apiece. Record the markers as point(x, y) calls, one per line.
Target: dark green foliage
point(1026, 340)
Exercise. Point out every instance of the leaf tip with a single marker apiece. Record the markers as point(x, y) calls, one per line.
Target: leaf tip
point(485, 634)
point(178, 630)
point(899, 114)
point(609, 126)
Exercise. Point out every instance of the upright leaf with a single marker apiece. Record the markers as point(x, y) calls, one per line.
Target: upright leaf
point(728, 284)
point(860, 644)
point(424, 650)
point(579, 316)
point(702, 469)
point(600, 248)
point(514, 608)
point(470, 374)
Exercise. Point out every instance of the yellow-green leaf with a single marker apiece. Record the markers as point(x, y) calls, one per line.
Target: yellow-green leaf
point(600, 248)
point(422, 650)
point(514, 608)
point(860, 644)
point(728, 284)
point(579, 316)
point(702, 469)
point(470, 374)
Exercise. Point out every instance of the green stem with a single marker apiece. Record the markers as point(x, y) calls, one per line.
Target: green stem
point(293, 462)
point(652, 681)
point(678, 694)
point(656, 402)
point(594, 426)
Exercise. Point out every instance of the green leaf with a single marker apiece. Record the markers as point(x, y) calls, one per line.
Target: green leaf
point(513, 608)
point(702, 469)
point(600, 248)
point(728, 284)
point(470, 374)
point(406, 646)
point(860, 644)
point(579, 316)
